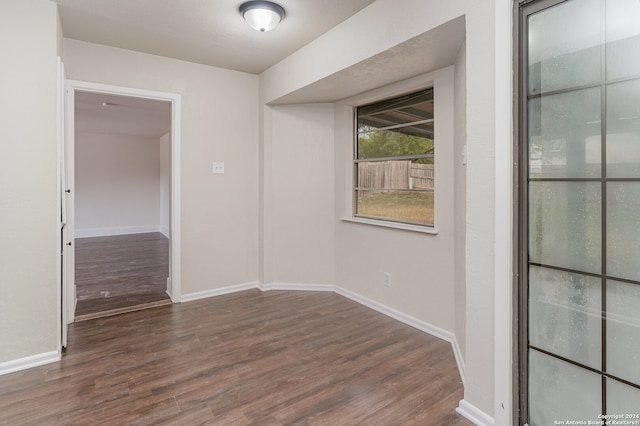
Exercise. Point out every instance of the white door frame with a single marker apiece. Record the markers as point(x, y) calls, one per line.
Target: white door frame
point(504, 403)
point(68, 290)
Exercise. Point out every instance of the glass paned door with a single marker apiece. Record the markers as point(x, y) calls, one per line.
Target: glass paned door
point(580, 210)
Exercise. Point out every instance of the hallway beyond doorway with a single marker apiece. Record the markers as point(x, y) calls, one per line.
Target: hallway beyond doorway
point(121, 273)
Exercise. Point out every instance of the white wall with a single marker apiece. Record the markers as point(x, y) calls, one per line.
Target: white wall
point(480, 231)
point(117, 184)
point(460, 196)
point(165, 184)
point(28, 46)
point(298, 185)
point(219, 123)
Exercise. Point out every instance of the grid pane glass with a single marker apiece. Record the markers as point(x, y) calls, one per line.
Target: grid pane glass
point(565, 314)
point(559, 391)
point(392, 143)
point(583, 309)
point(623, 129)
point(623, 37)
point(623, 230)
point(564, 46)
point(623, 399)
point(564, 135)
point(409, 108)
point(623, 330)
point(394, 159)
point(565, 225)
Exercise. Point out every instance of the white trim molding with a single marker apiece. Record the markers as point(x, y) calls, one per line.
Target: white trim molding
point(389, 224)
point(296, 287)
point(61, 330)
point(474, 414)
point(29, 362)
point(190, 297)
point(457, 353)
point(164, 230)
point(123, 230)
point(504, 204)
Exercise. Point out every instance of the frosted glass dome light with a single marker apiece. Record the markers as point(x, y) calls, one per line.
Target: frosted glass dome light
point(262, 15)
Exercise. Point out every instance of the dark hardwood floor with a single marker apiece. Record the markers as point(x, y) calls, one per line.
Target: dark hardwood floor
point(120, 273)
point(270, 358)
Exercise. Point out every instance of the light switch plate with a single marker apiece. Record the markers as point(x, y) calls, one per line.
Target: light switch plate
point(218, 168)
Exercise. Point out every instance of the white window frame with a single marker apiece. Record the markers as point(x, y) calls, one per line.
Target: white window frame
point(443, 83)
point(356, 161)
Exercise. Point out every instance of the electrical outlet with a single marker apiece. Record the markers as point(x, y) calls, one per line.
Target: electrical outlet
point(387, 279)
point(217, 168)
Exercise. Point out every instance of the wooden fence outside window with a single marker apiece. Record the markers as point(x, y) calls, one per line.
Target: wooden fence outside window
point(395, 175)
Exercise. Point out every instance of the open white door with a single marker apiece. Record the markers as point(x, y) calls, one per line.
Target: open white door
point(69, 286)
point(62, 211)
point(64, 191)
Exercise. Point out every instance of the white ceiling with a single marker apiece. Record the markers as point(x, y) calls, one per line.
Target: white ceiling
point(209, 32)
point(121, 115)
point(212, 32)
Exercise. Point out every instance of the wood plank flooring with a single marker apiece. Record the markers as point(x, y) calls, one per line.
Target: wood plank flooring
point(273, 358)
point(120, 272)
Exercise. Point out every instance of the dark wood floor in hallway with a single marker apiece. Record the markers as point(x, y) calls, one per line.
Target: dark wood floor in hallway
point(120, 272)
point(272, 358)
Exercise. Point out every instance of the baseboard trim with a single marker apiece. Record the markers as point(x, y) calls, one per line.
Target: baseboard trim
point(219, 291)
point(164, 230)
point(457, 353)
point(28, 362)
point(123, 310)
point(474, 414)
point(296, 287)
point(124, 230)
point(169, 290)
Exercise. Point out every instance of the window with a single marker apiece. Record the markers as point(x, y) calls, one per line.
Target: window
point(394, 159)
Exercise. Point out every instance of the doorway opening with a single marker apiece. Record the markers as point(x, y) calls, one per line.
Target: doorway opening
point(122, 181)
point(120, 273)
point(122, 200)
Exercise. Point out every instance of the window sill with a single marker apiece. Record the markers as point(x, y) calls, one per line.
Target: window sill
point(394, 225)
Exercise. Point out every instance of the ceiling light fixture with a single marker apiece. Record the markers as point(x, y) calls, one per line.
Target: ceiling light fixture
point(262, 15)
